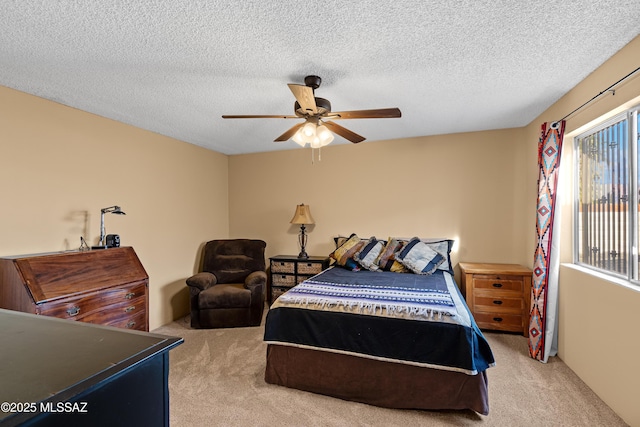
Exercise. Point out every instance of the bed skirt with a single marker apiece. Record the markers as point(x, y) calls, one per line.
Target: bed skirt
point(375, 382)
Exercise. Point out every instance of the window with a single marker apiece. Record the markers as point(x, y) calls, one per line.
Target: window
point(606, 212)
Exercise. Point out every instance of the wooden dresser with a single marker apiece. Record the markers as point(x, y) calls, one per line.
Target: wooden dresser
point(289, 270)
point(498, 295)
point(107, 286)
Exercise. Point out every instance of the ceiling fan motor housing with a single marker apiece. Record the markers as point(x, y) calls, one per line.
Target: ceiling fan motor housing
point(323, 106)
point(313, 82)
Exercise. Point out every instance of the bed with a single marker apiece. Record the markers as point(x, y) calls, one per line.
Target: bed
point(396, 340)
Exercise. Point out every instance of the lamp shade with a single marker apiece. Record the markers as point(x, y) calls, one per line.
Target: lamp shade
point(302, 215)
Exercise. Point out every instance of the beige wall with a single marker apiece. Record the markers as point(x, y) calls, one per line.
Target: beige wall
point(598, 337)
point(60, 166)
point(457, 186)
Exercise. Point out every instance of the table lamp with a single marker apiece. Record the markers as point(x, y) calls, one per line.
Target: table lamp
point(302, 216)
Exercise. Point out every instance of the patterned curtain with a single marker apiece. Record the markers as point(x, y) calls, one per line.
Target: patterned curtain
point(544, 289)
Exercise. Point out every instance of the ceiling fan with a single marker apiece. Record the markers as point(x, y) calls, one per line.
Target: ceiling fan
point(316, 112)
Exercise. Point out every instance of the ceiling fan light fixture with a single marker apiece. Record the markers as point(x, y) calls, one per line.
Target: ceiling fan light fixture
point(324, 135)
point(299, 138)
point(309, 130)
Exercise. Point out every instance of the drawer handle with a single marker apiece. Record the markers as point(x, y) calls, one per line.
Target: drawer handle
point(309, 264)
point(497, 319)
point(131, 308)
point(131, 324)
point(283, 277)
point(498, 302)
point(282, 264)
point(130, 295)
point(497, 285)
point(73, 311)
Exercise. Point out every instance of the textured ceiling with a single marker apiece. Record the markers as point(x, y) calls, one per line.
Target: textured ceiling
point(174, 67)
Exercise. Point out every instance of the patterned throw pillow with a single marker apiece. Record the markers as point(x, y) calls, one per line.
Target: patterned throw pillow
point(386, 260)
point(368, 254)
point(443, 247)
point(419, 257)
point(339, 240)
point(345, 252)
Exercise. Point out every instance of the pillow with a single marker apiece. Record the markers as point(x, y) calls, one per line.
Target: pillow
point(339, 240)
point(442, 246)
point(386, 260)
point(419, 257)
point(345, 252)
point(368, 254)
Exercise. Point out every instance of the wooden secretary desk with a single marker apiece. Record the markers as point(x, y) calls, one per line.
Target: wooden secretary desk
point(106, 286)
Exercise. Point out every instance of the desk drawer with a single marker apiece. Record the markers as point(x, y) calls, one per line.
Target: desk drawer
point(78, 308)
point(135, 320)
point(117, 313)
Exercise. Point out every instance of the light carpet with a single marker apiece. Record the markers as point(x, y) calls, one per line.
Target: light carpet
point(216, 378)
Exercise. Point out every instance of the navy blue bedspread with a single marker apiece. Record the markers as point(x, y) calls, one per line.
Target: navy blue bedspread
point(384, 279)
point(437, 344)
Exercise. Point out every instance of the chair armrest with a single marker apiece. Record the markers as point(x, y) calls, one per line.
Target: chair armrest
point(255, 279)
point(202, 281)
point(256, 282)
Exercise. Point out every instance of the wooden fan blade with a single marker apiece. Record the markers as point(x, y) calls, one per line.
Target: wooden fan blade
point(381, 113)
point(304, 96)
point(344, 132)
point(259, 117)
point(288, 134)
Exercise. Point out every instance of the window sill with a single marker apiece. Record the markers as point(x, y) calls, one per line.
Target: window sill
point(603, 276)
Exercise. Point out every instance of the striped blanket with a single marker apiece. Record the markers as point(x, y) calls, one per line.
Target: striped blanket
point(335, 289)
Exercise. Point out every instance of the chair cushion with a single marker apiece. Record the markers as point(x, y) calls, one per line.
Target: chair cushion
point(233, 260)
point(225, 296)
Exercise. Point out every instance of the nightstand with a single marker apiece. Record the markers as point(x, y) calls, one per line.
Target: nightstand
point(498, 295)
point(289, 270)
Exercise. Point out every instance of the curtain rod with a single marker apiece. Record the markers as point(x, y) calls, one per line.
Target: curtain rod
point(609, 89)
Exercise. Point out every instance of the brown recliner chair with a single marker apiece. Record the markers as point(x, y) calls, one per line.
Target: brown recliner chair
point(229, 292)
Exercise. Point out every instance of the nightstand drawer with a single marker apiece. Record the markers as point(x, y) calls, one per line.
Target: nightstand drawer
point(283, 267)
point(498, 304)
point(309, 268)
point(276, 292)
point(499, 321)
point(283, 280)
point(498, 282)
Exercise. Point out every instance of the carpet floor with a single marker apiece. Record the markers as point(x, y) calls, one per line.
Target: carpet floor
point(216, 378)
